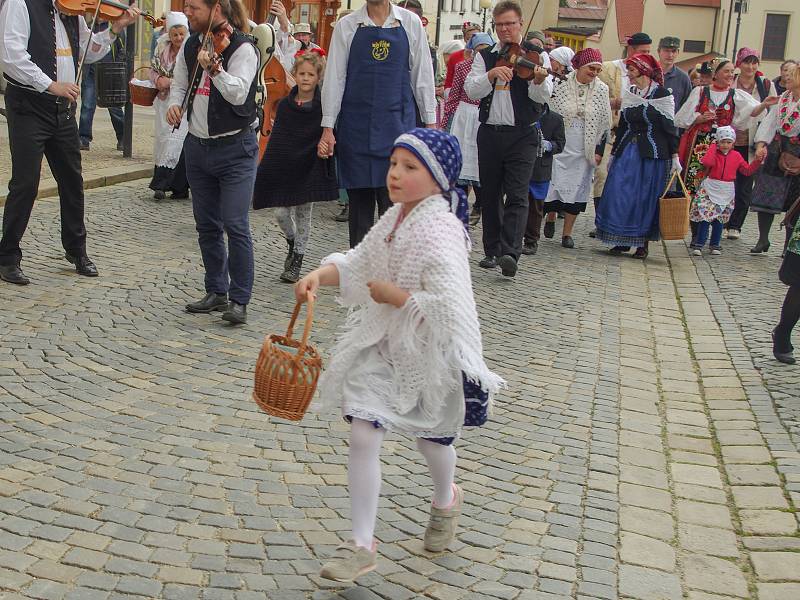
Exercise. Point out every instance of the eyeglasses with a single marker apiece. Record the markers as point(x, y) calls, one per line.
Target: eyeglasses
point(505, 25)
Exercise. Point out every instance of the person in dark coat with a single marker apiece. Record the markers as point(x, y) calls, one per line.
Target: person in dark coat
point(291, 175)
point(551, 127)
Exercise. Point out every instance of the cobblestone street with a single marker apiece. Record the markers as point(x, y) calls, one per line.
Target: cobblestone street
point(648, 446)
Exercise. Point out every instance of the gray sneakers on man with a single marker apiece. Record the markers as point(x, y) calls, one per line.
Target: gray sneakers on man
point(349, 562)
point(443, 522)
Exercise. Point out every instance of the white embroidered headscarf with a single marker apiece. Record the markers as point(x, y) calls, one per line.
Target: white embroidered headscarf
point(594, 110)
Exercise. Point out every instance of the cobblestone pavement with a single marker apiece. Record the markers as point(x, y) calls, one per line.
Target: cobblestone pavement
point(641, 451)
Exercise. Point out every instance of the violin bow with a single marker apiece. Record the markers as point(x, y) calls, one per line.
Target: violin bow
point(186, 96)
point(86, 48)
point(530, 21)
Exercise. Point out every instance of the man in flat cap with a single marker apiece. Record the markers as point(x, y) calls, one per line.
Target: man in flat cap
point(675, 80)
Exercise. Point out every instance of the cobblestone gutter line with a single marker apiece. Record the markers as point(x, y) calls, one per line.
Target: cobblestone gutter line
point(759, 462)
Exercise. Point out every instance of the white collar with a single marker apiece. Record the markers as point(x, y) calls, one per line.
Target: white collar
point(397, 13)
point(497, 45)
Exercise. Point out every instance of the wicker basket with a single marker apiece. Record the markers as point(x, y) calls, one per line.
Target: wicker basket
point(673, 211)
point(285, 380)
point(140, 94)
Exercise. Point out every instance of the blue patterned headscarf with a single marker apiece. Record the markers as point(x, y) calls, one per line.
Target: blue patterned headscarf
point(440, 153)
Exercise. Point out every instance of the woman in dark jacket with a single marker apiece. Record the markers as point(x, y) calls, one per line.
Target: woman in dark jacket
point(645, 148)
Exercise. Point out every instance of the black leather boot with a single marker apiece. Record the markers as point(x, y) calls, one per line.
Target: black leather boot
point(289, 255)
point(292, 272)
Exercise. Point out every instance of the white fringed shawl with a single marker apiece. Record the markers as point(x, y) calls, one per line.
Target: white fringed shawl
point(597, 116)
point(436, 335)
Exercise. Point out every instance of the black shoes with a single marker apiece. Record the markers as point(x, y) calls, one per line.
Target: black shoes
point(83, 265)
point(508, 265)
point(13, 274)
point(641, 253)
point(236, 314)
point(760, 247)
point(530, 248)
point(549, 229)
point(488, 262)
point(567, 241)
point(292, 272)
point(343, 216)
point(159, 195)
point(210, 303)
point(786, 358)
point(618, 250)
point(179, 195)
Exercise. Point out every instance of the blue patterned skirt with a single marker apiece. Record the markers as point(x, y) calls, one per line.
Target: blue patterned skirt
point(628, 211)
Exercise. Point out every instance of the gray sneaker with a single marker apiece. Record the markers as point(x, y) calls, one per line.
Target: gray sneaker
point(349, 562)
point(442, 525)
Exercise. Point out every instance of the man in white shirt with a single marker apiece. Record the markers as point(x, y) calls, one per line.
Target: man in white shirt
point(508, 139)
point(221, 150)
point(379, 67)
point(40, 54)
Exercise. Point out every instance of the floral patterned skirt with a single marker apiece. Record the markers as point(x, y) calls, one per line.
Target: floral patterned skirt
point(695, 172)
point(703, 208)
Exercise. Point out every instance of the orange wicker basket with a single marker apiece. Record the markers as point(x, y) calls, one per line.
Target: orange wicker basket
point(287, 371)
point(142, 95)
point(673, 211)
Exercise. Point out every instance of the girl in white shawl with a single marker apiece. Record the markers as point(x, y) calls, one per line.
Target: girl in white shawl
point(583, 102)
point(169, 173)
point(410, 359)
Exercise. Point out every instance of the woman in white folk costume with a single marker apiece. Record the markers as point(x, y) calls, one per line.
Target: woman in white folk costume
point(170, 171)
point(410, 359)
point(582, 100)
point(561, 60)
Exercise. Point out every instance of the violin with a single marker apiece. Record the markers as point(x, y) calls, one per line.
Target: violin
point(216, 43)
point(108, 10)
point(277, 84)
point(523, 62)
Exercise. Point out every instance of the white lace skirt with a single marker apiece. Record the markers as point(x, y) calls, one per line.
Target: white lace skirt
point(465, 128)
point(368, 386)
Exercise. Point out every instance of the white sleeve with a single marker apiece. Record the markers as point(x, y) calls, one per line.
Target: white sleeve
point(767, 128)
point(180, 79)
point(101, 42)
point(686, 116)
point(541, 92)
point(234, 83)
point(335, 74)
point(744, 105)
point(422, 82)
point(477, 85)
point(15, 25)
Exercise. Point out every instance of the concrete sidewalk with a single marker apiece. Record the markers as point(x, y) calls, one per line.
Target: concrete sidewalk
point(103, 164)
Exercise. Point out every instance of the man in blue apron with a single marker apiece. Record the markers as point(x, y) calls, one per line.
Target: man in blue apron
point(379, 67)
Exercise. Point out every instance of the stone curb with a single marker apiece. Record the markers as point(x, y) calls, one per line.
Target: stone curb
point(96, 179)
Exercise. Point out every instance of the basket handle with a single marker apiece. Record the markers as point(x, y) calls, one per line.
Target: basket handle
point(307, 328)
point(133, 75)
point(680, 180)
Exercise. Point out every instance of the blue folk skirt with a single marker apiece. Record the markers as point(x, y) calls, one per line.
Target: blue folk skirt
point(628, 211)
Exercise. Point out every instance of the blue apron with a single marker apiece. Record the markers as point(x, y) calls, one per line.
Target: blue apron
point(377, 105)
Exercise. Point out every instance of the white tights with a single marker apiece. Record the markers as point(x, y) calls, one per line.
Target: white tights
point(364, 476)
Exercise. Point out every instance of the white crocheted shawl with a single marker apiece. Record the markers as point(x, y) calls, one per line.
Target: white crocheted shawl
point(594, 109)
point(436, 335)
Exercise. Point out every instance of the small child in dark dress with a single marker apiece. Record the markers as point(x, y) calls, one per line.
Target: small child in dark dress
point(553, 138)
point(291, 176)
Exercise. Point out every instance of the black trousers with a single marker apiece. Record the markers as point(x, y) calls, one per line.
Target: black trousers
point(41, 125)
point(744, 192)
point(361, 216)
point(505, 160)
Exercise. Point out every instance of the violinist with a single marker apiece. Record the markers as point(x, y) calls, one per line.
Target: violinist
point(508, 140)
point(214, 83)
point(40, 53)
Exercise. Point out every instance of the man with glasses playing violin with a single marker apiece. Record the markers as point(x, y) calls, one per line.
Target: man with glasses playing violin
point(508, 139)
point(216, 88)
point(40, 49)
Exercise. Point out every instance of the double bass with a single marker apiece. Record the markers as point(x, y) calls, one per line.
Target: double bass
point(275, 82)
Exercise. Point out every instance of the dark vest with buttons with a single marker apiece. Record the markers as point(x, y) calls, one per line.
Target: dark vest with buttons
point(526, 111)
point(222, 115)
point(42, 41)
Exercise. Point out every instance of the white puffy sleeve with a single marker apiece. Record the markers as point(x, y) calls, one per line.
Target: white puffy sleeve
point(744, 104)
point(685, 117)
point(768, 127)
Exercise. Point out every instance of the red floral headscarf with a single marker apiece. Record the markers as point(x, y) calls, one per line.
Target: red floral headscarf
point(647, 65)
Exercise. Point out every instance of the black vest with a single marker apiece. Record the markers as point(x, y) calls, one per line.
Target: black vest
point(526, 111)
point(42, 41)
point(222, 115)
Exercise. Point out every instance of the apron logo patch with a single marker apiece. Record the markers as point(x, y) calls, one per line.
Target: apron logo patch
point(380, 50)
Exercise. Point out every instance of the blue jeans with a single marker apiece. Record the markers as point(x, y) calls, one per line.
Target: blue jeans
point(89, 105)
point(702, 234)
point(222, 179)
